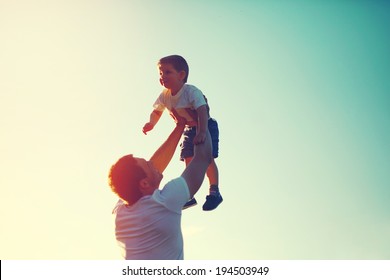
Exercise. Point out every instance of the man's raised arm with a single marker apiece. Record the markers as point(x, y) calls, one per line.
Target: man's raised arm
point(196, 170)
point(164, 154)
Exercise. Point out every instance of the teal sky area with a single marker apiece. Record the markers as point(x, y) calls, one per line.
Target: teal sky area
point(300, 89)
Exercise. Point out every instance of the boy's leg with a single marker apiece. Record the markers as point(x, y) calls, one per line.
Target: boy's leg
point(212, 173)
point(214, 198)
point(213, 176)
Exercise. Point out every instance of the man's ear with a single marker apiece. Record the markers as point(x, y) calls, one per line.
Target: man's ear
point(143, 184)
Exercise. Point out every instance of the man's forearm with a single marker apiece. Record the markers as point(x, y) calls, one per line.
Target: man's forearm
point(196, 170)
point(164, 154)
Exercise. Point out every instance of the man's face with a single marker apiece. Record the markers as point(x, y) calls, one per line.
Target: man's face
point(154, 177)
point(169, 77)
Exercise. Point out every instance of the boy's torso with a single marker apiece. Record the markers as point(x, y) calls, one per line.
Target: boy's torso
point(185, 102)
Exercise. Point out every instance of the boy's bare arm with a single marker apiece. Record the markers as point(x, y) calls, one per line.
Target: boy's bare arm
point(203, 117)
point(153, 119)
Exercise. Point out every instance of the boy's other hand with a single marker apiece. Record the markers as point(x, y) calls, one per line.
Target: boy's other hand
point(147, 127)
point(199, 138)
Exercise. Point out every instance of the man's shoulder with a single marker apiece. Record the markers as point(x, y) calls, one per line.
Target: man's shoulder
point(174, 194)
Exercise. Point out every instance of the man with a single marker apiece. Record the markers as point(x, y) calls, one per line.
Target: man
point(147, 219)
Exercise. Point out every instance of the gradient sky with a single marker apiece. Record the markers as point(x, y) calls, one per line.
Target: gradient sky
point(301, 91)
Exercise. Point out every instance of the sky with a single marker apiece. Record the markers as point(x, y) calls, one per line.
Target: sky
point(300, 89)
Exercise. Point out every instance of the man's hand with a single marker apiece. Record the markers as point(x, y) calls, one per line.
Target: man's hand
point(199, 138)
point(147, 127)
point(177, 118)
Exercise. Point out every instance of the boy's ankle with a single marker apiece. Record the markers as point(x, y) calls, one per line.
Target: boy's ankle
point(214, 190)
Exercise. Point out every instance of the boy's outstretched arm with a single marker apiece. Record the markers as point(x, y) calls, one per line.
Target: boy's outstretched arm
point(164, 154)
point(153, 119)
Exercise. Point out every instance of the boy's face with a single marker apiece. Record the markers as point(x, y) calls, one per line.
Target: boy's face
point(169, 77)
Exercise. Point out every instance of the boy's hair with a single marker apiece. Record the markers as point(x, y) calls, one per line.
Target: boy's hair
point(124, 178)
point(178, 62)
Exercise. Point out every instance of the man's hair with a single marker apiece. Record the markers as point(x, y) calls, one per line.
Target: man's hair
point(178, 62)
point(124, 178)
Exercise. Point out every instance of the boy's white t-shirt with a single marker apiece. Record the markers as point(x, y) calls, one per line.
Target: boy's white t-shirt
point(185, 102)
point(150, 229)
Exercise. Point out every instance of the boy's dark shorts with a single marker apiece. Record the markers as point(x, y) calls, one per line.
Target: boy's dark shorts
point(187, 147)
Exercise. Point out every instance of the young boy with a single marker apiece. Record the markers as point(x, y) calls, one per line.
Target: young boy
point(189, 102)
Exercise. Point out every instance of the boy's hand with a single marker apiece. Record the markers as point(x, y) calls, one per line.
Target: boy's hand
point(147, 127)
point(199, 138)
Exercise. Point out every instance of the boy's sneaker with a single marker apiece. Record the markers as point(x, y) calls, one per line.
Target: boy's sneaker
point(212, 202)
point(190, 203)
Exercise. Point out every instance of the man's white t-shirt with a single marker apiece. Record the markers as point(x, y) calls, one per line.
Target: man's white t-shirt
point(150, 229)
point(185, 102)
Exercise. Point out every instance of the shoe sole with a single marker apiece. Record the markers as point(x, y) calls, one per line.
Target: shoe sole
point(189, 206)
